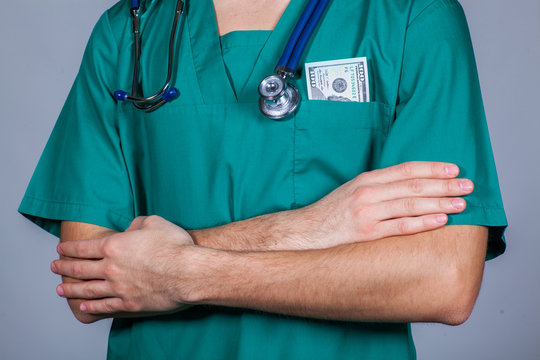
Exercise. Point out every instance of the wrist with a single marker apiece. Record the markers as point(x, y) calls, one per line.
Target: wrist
point(296, 230)
point(200, 237)
point(199, 267)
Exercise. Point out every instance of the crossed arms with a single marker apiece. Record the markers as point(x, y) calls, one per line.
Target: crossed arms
point(375, 249)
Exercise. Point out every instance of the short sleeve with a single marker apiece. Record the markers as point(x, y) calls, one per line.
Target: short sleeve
point(81, 175)
point(440, 114)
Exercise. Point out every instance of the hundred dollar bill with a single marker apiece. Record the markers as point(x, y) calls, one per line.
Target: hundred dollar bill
point(338, 80)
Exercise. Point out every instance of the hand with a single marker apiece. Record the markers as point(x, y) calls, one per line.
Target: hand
point(404, 199)
point(133, 271)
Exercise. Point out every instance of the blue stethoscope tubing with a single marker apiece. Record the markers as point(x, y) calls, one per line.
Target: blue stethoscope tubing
point(301, 34)
point(278, 98)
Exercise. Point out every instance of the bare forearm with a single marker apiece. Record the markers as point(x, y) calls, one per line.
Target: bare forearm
point(406, 199)
point(278, 231)
point(433, 276)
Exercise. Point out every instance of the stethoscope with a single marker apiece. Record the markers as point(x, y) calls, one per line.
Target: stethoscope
point(167, 92)
point(278, 98)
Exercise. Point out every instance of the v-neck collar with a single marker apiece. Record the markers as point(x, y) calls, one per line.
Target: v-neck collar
point(214, 83)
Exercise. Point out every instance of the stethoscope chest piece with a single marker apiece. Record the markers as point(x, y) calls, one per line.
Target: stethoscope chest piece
point(278, 98)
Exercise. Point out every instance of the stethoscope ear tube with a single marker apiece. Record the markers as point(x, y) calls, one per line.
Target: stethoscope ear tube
point(278, 97)
point(166, 93)
point(296, 33)
point(306, 34)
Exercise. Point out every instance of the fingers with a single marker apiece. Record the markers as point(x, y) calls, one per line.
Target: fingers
point(104, 306)
point(412, 170)
point(82, 249)
point(421, 188)
point(417, 206)
point(79, 269)
point(411, 225)
point(95, 289)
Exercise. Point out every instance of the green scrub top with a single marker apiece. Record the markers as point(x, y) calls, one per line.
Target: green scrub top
point(209, 157)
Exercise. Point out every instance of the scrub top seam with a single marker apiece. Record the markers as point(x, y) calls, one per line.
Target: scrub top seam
point(109, 27)
point(228, 47)
point(377, 129)
point(192, 58)
point(69, 203)
point(294, 160)
point(130, 177)
point(196, 69)
point(422, 12)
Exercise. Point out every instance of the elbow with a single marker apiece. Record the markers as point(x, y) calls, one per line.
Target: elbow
point(83, 317)
point(457, 315)
point(460, 297)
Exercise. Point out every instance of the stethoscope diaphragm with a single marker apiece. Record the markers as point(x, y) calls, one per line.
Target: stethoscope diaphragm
point(278, 99)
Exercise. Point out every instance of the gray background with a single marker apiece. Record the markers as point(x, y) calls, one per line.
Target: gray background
point(42, 44)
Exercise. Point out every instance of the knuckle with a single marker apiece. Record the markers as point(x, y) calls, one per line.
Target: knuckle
point(410, 204)
point(402, 227)
point(366, 177)
point(118, 289)
point(436, 169)
point(109, 247)
point(449, 186)
point(110, 271)
point(78, 249)
point(444, 204)
point(362, 213)
point(415, 186)
point(106, 247)
point(76, 270)
point(366, 231)
point(89, 292)
point(151, 220)
point(108, 307)
point(140, 218)
point(428, 222)
point(407, 169)
point(363, 193)
point(132, 306)
point(453, 186)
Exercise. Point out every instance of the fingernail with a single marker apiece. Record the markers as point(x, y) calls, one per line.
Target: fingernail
point(466, 185)
point(452, 170)
point(59, 250)
point(83, 307)
point(458, 204)
point(60, 290)
point(441, 219)
point(53, 268)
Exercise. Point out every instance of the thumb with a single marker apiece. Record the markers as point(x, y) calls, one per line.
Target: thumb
point(137, 223)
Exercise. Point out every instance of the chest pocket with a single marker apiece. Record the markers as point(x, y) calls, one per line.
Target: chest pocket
point(334, 142)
